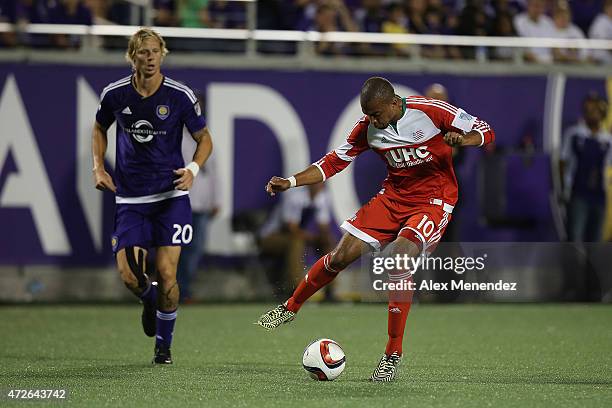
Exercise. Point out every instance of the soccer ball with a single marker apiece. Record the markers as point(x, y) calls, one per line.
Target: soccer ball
point(324, 360)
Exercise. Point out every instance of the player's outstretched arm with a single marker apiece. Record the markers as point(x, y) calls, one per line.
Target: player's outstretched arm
point(202, 153)
point(312, 175)
point(102, 179)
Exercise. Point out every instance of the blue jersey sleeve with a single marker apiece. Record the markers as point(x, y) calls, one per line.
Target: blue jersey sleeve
point(191, 116)
point(105, 116)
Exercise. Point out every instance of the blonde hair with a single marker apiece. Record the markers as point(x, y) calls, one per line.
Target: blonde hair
point(138, 38)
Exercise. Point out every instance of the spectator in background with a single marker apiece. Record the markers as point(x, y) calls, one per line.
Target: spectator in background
point(227, 14)
point(415, 10)
point(562, 17)
point(301, 220)
point(502, 27)
point(204, 198)
point(450, 17)
point(193, 13)
point(534, 23)
point(584, 12)
point(332, 15)
point(69, 12)
point(436, 91)
point(435, 22)
point(512, 8)
point(120, 12)
point(397, 23)
point(587, 150)
point(165, 13)
point(602, 29)
point(8, 14)
point(473, 21)
point(302, 13)
point(33, 12)
point(99, 10)
point(369, 18)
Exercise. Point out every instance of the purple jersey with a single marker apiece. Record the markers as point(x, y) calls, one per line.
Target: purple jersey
point(149, 135)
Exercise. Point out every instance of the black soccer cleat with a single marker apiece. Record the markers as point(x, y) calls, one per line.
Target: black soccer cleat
point(149, 317)
point(162, 355)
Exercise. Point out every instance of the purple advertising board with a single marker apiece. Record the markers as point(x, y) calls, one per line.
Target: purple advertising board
point(263, 123)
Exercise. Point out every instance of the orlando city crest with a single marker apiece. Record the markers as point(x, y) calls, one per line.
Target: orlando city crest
point(162, 111)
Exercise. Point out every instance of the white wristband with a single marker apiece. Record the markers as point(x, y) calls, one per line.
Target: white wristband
point(292, 181)
point(194, 168)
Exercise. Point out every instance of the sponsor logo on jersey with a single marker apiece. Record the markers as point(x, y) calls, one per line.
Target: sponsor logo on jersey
point(385, 140)
point(114, 243)
point(162, 111)
point(418, 134)
point(127, 111)
point(465, 116)
point(143, 131)
point(408, 156)
point(197, 108)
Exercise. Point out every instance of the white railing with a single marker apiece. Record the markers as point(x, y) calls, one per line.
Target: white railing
point(251, 36)
point(314, 36)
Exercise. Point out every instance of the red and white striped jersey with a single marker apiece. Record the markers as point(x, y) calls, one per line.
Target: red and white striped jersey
point(419, 162)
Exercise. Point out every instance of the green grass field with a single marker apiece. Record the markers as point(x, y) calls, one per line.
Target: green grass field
point(455, 356)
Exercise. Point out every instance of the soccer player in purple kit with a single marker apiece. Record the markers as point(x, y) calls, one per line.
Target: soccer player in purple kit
point(151, 181)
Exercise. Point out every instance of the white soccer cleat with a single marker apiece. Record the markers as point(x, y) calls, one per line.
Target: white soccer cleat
point(387, 368)
point(275, 317)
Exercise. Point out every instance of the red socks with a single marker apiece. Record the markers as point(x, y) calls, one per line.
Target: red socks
point(399, 306)
point(319, 275)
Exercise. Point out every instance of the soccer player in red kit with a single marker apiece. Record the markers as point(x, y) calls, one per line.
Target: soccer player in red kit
point(414, 136)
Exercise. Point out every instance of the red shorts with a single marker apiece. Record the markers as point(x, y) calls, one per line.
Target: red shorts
point(381, 220)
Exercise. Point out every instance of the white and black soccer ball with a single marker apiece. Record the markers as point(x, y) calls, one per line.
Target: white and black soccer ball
point(324, 360)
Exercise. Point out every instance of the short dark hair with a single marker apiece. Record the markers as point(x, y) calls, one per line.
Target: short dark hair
point(594, 97)
point(376, 88)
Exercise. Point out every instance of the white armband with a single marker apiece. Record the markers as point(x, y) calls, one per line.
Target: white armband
point(292, 181)
point(194, 168)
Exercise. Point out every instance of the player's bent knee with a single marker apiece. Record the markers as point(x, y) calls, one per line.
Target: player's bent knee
point(403, 247)
point(339, 259)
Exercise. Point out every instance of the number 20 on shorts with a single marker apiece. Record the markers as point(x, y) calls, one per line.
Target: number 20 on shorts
point(182, 234)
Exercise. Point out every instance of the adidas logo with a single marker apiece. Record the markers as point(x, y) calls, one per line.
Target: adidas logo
point(385, 140)
point(395, 310)
point(127, 111)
